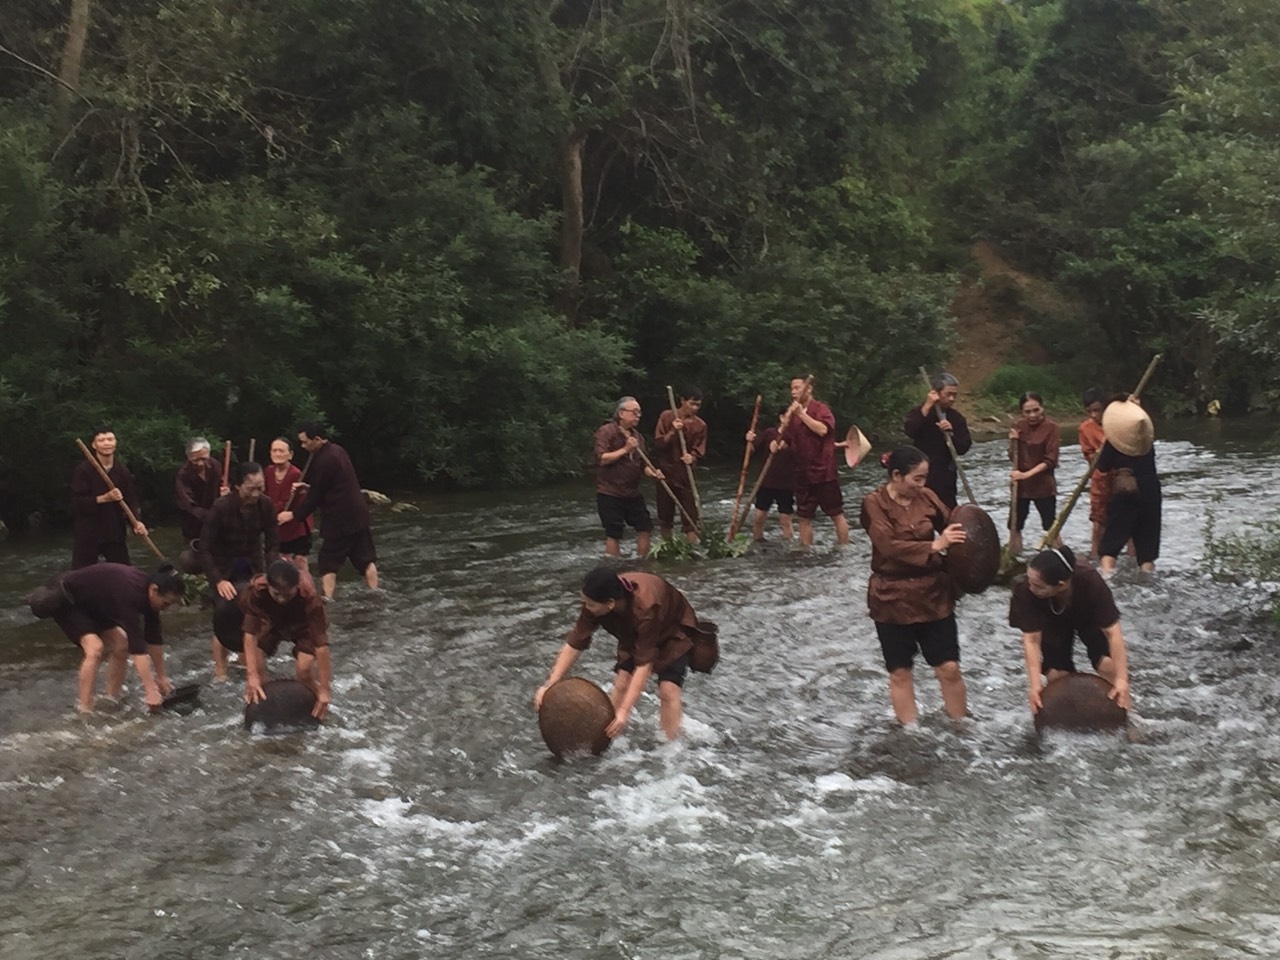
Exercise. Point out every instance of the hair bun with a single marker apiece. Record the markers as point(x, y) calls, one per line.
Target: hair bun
point(884, 459)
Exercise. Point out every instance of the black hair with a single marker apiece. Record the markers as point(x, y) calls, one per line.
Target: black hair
point(167, 580)
point(689, 393)
point(904, 459)
point(1054, 566)
point(284, 574)
point(603, 583)
point(782, 410)
point(1030, 395)
point(99, 430)
point(242, 471)
point(1093, 395)
point(313, 429)
point(285, 440)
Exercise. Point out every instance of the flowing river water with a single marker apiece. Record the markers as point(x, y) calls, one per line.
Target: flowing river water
point(794, 819)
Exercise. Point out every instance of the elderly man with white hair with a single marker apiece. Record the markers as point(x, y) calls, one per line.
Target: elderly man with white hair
point(928, 426)
point(620, 466)
point(199, 482)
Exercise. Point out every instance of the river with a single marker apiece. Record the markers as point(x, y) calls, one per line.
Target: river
point(794, 819)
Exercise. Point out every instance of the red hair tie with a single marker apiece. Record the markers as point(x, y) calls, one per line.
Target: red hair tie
point(884, 460)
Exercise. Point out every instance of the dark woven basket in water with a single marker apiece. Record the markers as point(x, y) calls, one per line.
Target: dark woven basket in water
point(573, 718)
point(1079, 702)
point(974, 564)
point(183, 699)
point(49, 599)
point(288, 706)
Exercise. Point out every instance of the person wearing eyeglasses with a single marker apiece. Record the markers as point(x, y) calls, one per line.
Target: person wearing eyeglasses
point(1033, 449)
point(240, 537)
point(620, 467)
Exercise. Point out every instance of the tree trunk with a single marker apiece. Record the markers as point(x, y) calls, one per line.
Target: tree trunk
point(72, 58)
point(572, 224)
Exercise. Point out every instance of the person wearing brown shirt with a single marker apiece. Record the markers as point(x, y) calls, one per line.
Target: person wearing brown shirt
point(619, 469)
point(1033, 449)
point(99, 522)
point(282, 606)
point(657, 630)
point(779, 484)
point(239, 538)
point(675, 464)
point(909, 594)
point(1056, 601)
point(198, 483)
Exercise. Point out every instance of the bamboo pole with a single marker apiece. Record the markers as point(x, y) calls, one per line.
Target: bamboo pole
point(665, 486)
point(253, 443)
point(742, 477)
point(1052, 533)
point(951, 447)
point(684, 452)
point(129, 515)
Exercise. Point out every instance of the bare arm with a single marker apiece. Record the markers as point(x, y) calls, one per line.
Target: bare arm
point(632, 694)
point(325, 672)
point(1120, 664)
point(565, 660)
point(1035, 666)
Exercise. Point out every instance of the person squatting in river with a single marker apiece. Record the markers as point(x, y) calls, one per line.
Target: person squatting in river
point(656, 629)
point(1058, 600)
point(115, 609)
point(282, 606)
point(909, 594)
point(240, 538)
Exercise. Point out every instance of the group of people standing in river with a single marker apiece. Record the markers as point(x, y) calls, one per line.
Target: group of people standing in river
point(911, 597)
point(249, 533)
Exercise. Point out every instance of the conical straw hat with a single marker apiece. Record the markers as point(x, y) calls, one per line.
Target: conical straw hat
point(1128, 428)
point(858, 446)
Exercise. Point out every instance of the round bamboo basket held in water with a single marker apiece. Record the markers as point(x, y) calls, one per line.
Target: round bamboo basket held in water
point(573, 717)
point(1079, 702)
point(1128, 428)
point(974, 564)
point(288, 706)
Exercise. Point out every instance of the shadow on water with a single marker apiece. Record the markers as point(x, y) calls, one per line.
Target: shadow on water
point(793, 819)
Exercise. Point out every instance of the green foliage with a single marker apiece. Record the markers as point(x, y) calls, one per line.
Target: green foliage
point(1008, 383)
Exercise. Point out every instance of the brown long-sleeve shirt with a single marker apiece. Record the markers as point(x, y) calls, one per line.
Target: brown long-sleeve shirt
point(193, 494)
point(234, 541)
point(302, 621)
point(97, 523)
point(1038, 444)
point(666, 444)
point(622, 477)
point(657, 626)
point(909, 582)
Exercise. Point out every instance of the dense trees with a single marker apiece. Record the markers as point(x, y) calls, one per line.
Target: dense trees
point(457, 229)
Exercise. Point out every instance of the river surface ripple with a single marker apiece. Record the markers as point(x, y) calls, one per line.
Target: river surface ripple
point(793, 820)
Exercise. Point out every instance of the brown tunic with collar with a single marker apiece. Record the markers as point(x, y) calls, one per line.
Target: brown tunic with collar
point(622, 477)
point(1038, 444)
point(909, 582)
point(666, 442)
point(657, 627)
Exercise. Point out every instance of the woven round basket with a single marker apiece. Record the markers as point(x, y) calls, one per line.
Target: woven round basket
point(1079, 702)
point(183, 699)
point(288, 706)
point(573, 717)
point(974, 564)
point(1128, 428)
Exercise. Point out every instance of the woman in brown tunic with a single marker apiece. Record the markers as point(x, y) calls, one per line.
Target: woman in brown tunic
point(657, 631)
point(1033, 449)
point(909, 595)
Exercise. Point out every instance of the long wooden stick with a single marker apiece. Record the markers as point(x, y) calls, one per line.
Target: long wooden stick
point(1052, 533)
point(128, 513)
point(768, 461)
point(226, 463)
point(684, 451)
point(951, 447)
point(302, 479)
point(253, 443)
point(746, 462)
point(665, 486)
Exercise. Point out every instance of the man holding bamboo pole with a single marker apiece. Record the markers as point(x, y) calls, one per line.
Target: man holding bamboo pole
point(680, 439)
point(811, 434)
point(620, 465)
point(100, 523)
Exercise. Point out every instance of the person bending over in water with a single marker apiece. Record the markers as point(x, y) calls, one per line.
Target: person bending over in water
point(1057, 600)
point(115, 608)
point(656, 630)
point(909, 595)
point(283, 607)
